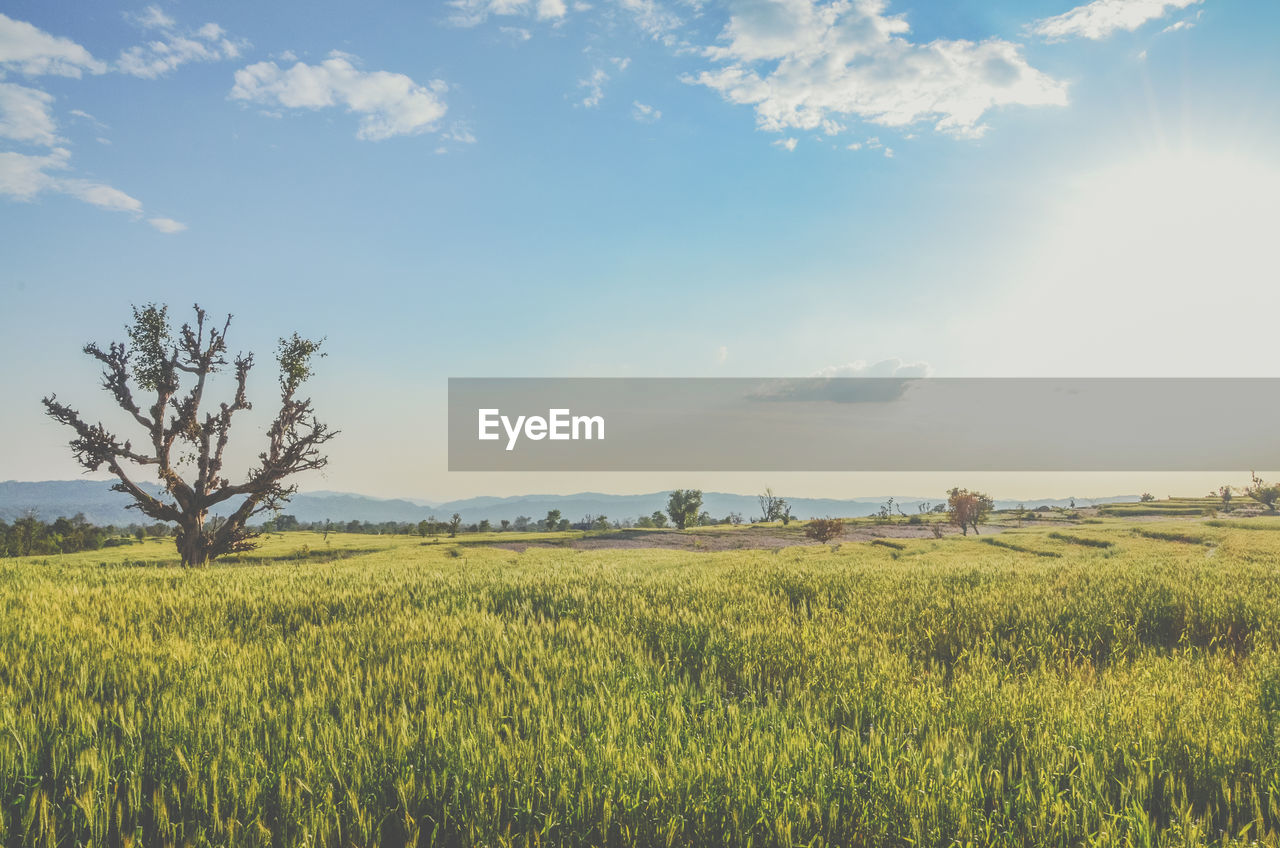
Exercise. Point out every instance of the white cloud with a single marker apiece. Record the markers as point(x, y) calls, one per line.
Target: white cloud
point(789, 144)
point(884, 368)
point(32, 51)
point(460, 131)
point(153, 17)
point(516, 33)
point(653, 18)
point(100, 195)
point(388, 104)
point(803, 65)
point(549, 10)
point(24, 177)
point(1101, 18)
point(645, 113)
point(469, 13)
point(156, 58)
point(85, 116)
point(25, 115)
point(1179, 25)
point(594, 85)
point(167, 225)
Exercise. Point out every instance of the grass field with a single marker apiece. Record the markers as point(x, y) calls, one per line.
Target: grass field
point(1108, 683)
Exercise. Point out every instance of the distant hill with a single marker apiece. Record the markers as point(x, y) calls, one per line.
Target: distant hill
point(100, 505)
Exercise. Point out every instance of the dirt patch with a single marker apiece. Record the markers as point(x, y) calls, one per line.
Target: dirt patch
point(766, 537)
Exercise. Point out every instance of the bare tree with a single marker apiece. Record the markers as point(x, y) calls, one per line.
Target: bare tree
point(1266, 494)
point(773, 508)
point(157, 362)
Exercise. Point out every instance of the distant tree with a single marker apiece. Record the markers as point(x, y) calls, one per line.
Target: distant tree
point(158, 361)
point(734, 518)
point(522, 523)
point(773, 508)
point(506, 524)
point(658, 518)
point(824, 529)
point(553, 519)
point(563, 525)
point(601, 523)
point(1147, 497)
point(645, 521)
point(484, 526)
point(455, 521)
point(967, 508)
point(1267, 495)
point(683, 506)
point(1225, 493)
point(286, 523)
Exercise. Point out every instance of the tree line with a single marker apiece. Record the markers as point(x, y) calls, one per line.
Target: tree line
point(29, 536)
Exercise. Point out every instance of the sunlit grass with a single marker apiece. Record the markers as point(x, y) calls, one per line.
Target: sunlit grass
point(357, 690)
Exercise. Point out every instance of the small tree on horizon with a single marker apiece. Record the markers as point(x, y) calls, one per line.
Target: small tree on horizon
point(967, 508)
point(683, 506)
point(1225, 493)
point(774, 508)
point(1265, 494)
point(158, 361)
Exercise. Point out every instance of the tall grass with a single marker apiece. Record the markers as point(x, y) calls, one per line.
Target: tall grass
point(945, 693)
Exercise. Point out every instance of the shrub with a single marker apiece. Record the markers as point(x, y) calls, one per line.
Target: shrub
point(824, 529)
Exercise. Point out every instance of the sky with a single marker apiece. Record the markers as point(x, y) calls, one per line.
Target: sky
point(669, 188)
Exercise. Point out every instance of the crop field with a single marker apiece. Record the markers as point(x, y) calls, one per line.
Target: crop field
point(1103, 683)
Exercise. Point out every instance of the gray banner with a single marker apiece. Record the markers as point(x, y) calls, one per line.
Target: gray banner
point(863, 424)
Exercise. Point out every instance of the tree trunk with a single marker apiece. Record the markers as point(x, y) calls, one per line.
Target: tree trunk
point(193, 545)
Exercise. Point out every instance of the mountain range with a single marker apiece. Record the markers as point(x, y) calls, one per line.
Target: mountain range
point(100, 505)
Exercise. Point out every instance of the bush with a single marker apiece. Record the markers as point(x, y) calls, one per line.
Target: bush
point(824, 529)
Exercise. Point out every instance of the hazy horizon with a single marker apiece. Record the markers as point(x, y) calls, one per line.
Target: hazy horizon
point(1080, 485)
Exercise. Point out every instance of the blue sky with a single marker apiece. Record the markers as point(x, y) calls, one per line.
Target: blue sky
point(636, 188)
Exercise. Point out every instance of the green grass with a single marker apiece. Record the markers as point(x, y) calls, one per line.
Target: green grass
point(1167, 507)
point(378, 690)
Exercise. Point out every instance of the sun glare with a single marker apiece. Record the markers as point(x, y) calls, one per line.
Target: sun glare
point(1153, 262)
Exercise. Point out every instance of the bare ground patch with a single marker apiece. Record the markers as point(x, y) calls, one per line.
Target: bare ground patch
point(764, 537)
